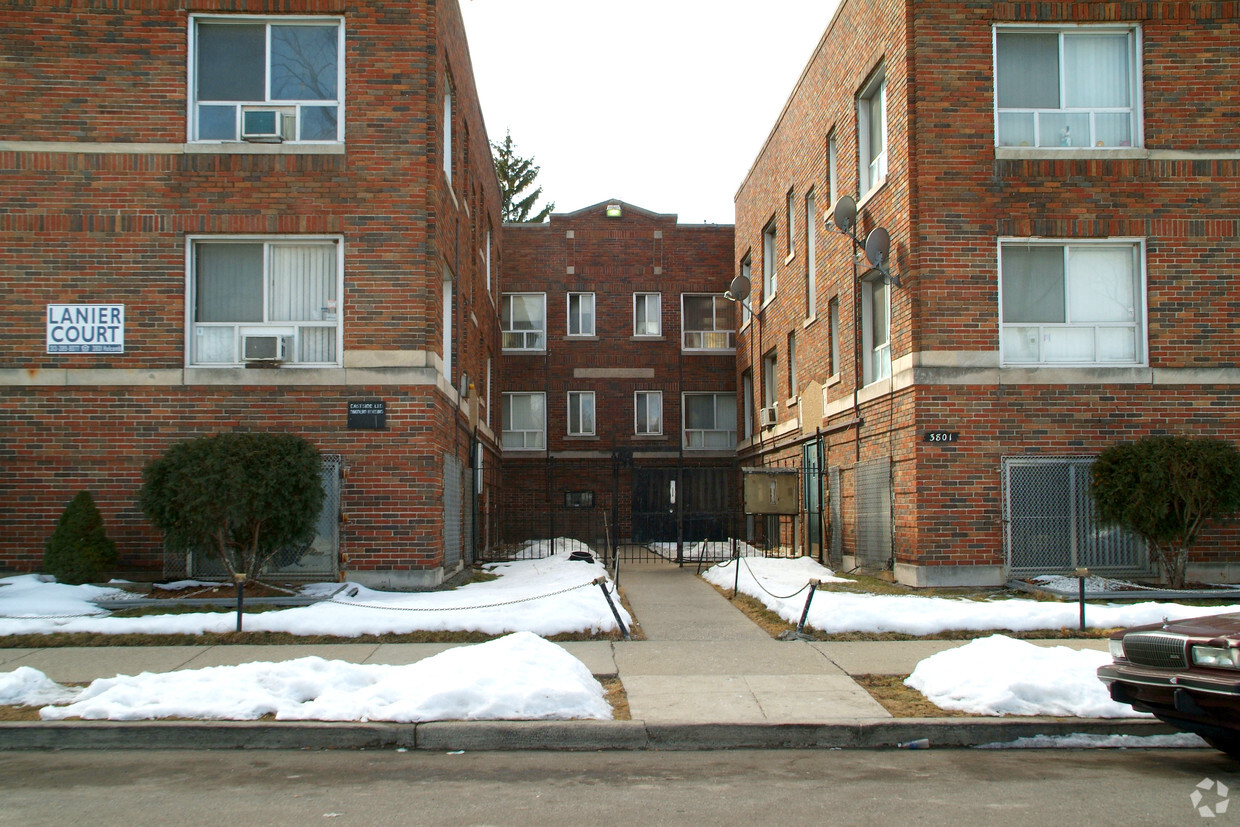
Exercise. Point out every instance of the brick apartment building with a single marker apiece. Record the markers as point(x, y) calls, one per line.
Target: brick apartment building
point(260, 214)
point(619, 366)
point(1060, 183)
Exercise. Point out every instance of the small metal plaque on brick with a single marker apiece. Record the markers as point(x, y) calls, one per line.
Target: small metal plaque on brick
point(368, 413)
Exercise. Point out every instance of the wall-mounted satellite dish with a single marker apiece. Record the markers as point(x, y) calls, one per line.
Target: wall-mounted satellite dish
point(844, 213)
point(738, 290)
point(878, 248)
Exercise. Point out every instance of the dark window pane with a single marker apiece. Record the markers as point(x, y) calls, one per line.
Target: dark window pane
point(1028, 70)
point(318, 123)
point(303, 62)
point(231, 62)
point(229, 285)
point(1033, 284)
point(217, 123)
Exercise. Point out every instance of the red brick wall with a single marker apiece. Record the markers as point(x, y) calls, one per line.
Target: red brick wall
point(79, 226)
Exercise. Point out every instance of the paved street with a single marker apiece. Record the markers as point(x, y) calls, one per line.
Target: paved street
point(928, 787)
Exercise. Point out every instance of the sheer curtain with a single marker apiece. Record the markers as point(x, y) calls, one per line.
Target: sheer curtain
point(303, 289)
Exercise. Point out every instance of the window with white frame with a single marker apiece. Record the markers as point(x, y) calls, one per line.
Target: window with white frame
point(790, 222)
point(1071, 303)
point(769, 273)
point(811, 256)
point(747, 272)
point(770, 394)
point(272, 299)
point(488, 256)
point(1066, 87)
point(792, 365)
point(708, 323)
point(833, 168)
point(747, 401)
point(580, 314)
point(447, 132)
point(525, 422)
point(872, 133)
point(833, 334)
point(523, 321)
point(875, 329)
point(647, 314)
point(272, 80)
point(710, 421)
point(648, 413)
point(581, 413)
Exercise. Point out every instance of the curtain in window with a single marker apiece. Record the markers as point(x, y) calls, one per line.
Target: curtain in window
point(1028, 70)
point(699, 412)
point(1033, 284)
point(228, 283)
point(1100, 284)
point(524, 313)
point(699, 313)
point(303, 289)
point(1096, 66)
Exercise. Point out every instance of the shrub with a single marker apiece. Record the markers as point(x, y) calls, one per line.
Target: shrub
point(79, 550)
point(1166, 489)
point(240, 497)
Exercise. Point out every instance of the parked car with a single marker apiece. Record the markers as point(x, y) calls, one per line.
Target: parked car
point(1185, 672)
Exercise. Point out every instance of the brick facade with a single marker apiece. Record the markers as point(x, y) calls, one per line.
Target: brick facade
point(106, 195)
point(949, 198)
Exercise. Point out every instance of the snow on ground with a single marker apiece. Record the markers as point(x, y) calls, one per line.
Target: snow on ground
point(1085, 740)
point(546, 596)
point(915, 615)
point(517, 677)
point(999, 675)
point(706, 550)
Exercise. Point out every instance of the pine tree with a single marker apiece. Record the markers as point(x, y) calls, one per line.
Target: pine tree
point(79, 550)
point(516, 174)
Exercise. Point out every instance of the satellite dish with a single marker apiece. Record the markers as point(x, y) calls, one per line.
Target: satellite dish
point(844, 213)
point(739, 289)
point(878, 248)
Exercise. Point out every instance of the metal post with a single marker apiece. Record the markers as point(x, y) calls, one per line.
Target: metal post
point(809, 598)
point(240, 579)
point(601, 582)
point(1081, 574)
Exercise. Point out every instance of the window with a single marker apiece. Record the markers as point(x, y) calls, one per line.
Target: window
point(872, 133)
point(833, 168)
point(747, 272)
point(1076, 303)
point(792, 366)
point(523, 320)
point(875, 329)
point(580, 314)
point(708, 323)
point(833, 332)
point(579, 499)
point(258, 299)
point(581, 413)
point(811, 256)
point(768, 262)
point(488, 256)
point(448, 293)
point(769, 393)
point(790, 221)
point(525, 422)
point(747, 401)
point(447, 132)
point(1064, 88)
point(648, 413)
point(710, 421)
point(267, 80)
point(647, 314)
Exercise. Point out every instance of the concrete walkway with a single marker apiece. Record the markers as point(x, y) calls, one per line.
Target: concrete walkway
point(703, 661)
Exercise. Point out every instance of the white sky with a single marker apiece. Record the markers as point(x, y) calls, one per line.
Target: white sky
point(661, 103)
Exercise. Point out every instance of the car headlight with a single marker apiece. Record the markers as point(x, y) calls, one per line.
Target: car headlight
point(1216, 656)
point(1116, 647)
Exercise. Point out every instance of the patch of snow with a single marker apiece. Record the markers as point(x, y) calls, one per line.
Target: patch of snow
point(706, 550)
point(999, 675)
point(25, 686)
point(517, 677)
point(1085, 740)
point(546, 596)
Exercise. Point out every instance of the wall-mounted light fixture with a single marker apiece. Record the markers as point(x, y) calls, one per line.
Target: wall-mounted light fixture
point(614, 211)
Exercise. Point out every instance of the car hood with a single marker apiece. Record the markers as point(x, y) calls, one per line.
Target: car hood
point(1209, 626)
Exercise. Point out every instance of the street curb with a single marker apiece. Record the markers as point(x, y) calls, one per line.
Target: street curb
point(483, 736)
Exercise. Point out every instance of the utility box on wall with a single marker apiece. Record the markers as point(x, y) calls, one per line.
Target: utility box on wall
point(771, 491)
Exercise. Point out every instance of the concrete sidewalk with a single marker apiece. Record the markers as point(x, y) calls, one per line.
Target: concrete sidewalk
point(705, 677)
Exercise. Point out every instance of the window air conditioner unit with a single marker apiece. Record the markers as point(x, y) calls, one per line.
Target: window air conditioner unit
point(262, 125)
point(769, 417)
point(262, 348)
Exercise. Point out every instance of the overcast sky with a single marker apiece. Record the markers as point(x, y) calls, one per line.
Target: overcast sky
point(661, 103)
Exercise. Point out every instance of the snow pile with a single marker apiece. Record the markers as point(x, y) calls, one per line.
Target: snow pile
point(545, 596)
point(538, 549)
point(706, 550)
point(998, 675)
point(1084, 740)
point(914, 615)
point(518, 677)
